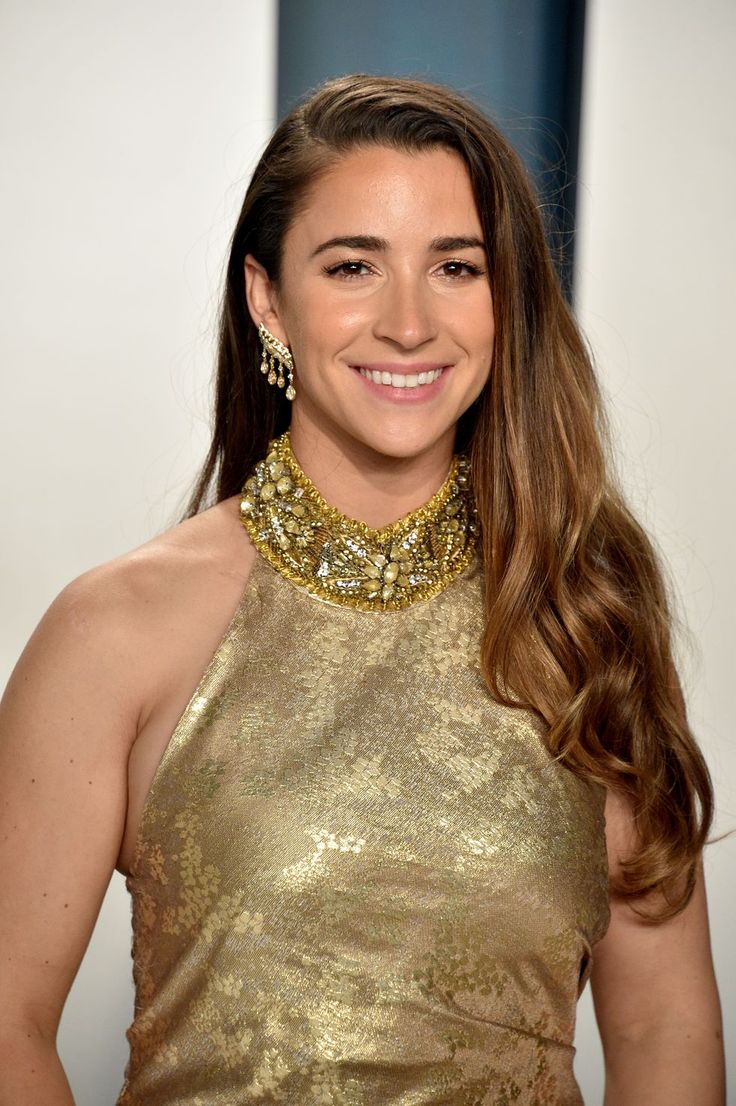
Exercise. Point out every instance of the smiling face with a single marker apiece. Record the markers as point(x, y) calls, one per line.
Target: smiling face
point(385, 302)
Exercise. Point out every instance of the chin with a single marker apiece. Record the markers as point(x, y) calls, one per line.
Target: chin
point(402, 443)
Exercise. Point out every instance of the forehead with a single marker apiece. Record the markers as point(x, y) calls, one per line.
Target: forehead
point(391, 193)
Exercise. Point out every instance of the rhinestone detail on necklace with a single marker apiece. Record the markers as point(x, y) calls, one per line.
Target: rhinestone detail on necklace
point(343, 560)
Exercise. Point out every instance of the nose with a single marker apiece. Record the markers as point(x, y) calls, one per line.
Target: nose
point(405, 315)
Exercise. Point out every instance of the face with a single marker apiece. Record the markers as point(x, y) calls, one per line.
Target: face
point(384, 301)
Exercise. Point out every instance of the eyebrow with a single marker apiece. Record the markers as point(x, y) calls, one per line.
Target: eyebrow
point(376, 245)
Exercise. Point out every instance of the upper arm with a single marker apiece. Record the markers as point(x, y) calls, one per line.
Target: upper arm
point(67, 722)
point(645, 974)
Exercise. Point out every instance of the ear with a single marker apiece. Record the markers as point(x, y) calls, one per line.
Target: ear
point(262, 299)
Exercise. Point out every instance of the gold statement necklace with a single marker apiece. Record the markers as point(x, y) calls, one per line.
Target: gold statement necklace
point(341, 559)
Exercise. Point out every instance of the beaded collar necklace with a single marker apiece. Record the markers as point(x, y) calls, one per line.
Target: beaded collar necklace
point(341, 559)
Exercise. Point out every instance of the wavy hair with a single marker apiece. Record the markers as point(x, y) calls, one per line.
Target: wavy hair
point(579, 622)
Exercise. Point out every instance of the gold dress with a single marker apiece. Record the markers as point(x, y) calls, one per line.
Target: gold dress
point(359, 880)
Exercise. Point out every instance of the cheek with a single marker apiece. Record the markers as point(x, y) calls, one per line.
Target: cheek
point(487, 328)
point(320, 332)
point(481, 348)
point(330, 322)
point(477, 332)
point(491, 339)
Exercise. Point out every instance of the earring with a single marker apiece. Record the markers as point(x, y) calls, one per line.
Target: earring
point(275, 352)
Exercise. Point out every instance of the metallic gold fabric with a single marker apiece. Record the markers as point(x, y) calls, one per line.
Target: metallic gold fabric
point(344, 560)
point(359, 881)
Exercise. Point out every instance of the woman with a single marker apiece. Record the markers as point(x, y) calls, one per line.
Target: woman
point(388, 741)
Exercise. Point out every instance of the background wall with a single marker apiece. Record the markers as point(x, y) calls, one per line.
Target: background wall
point(131, 133)
point(655, 286)
point(520, 60)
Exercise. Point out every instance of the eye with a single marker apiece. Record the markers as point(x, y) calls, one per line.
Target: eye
point(346, 269)
point(456, 269)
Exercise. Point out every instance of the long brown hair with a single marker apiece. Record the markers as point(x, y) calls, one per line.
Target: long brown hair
point(579, 622)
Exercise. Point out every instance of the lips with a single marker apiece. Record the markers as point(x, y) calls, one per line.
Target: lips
point(401, 380)
point(400, 374)
point(392, 392)
point(402, 367)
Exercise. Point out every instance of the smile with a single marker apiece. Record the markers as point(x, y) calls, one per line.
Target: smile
point(401, 380)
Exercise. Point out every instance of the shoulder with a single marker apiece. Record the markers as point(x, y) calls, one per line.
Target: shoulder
point(114, 623)
point(207, 547)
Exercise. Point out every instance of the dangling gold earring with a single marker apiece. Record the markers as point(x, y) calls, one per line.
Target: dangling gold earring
point(276, 353)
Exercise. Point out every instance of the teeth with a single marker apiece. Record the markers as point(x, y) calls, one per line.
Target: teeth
point(401, 380)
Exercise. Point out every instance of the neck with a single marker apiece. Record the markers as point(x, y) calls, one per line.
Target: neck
point(324, 548)
point(367, 485)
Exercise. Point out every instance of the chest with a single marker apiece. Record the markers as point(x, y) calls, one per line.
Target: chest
point(336, 767)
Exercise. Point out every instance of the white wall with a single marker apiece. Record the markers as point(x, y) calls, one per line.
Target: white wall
point(656, 274)
point(130, 131)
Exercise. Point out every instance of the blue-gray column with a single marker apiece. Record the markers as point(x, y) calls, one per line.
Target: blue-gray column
point(520, 60)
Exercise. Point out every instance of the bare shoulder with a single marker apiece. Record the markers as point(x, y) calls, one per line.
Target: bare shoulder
point(178, 592)
point(69, 720)
point(206, 548)
point(111, 621)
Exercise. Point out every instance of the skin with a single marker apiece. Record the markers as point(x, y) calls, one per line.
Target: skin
point(405, 303)
point(107, 673)
point(655, 996)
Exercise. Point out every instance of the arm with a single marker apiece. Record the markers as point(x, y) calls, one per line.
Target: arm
point(67, 722)
point(656, 999)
